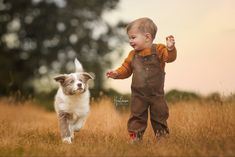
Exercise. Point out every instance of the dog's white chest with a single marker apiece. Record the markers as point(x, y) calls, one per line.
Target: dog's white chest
point(77, 104)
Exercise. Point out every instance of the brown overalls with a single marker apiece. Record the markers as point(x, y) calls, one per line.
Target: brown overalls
point(148, 93)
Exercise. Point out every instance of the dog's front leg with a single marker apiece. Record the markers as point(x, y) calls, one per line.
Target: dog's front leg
point(64, 127)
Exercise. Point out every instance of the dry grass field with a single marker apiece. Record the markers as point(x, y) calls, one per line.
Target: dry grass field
point(197, 129)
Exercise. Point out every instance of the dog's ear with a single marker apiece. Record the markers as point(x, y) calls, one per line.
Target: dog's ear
point(87, 76)
point(60, 78)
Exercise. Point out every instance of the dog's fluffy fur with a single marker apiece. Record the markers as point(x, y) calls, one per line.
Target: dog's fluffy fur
point(72, 101)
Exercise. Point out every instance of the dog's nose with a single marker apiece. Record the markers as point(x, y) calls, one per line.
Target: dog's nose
point(79, 85)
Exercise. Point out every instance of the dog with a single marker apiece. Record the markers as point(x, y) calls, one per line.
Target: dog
point(72, 101)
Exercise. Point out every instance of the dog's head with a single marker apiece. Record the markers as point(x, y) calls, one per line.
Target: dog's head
point(74, 83)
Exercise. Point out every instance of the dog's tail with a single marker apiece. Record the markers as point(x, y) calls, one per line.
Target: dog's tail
point(78, 66)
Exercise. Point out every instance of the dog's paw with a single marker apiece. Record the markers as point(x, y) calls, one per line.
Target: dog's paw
point(67, 140)
point(72, 136)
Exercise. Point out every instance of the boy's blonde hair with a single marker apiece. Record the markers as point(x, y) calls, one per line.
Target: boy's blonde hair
point(145, 25)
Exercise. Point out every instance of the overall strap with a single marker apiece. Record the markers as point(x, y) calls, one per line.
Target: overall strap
point(153, 49)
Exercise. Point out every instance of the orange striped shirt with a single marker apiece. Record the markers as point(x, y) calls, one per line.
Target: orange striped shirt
point(165, 56)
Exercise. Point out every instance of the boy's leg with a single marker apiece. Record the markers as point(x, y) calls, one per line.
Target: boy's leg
point(137, 122)
point(159, 114)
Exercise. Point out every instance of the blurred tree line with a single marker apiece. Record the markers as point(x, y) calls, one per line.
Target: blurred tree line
point(41, 38)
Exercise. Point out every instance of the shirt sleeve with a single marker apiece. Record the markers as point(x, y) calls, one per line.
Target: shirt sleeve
point(125, 70)
point(165, 55)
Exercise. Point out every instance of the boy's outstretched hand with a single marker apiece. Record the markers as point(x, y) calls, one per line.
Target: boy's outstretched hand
point(170, 42)
point(112, 74)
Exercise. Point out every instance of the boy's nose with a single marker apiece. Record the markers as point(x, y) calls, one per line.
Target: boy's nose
point(130, 42)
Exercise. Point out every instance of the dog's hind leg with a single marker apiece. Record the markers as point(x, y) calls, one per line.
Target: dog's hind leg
point(79, 123)
point(64, 127)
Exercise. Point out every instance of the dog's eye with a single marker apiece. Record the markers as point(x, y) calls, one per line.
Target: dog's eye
point(72, 81)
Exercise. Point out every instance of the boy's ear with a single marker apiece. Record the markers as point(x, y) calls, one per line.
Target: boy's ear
point(148, 36)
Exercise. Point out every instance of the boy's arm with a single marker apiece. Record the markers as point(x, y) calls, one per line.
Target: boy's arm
point(167, 53)
point(125, 70)
point(170, 55)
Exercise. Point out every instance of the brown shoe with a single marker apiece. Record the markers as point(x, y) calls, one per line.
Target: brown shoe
point(135, 137)
point(160, 134)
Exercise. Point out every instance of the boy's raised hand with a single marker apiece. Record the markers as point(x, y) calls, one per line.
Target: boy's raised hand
point(112, 74)
point(170, 42)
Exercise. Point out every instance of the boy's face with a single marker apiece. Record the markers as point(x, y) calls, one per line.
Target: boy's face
point(137, 39)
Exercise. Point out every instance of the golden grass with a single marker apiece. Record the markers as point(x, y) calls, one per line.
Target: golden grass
point(196, 130)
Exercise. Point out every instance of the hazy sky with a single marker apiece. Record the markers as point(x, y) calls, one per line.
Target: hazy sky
point(204, 31)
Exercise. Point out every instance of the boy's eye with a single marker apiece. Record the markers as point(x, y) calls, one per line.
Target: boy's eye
point(133, 37)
